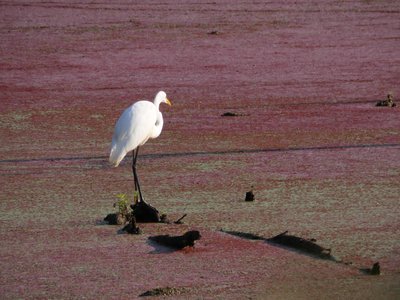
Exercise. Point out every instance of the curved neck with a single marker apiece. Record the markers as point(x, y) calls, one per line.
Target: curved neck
point(158, 126)
point(157, 101)
point(159, 121)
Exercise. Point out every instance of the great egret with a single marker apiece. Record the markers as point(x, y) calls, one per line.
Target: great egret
point(137, 124)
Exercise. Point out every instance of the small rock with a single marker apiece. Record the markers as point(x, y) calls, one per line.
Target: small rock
point(164, 219)
point(229, 114)
point(132, 227)
point(129, 228)
point(249, 196)
point(115, 219)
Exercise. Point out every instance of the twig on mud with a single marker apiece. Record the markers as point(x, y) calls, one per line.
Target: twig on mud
point(179, 221)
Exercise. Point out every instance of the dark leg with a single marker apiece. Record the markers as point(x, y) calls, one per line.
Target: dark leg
point(142, 212)
point(135, 177)
point(134, 171)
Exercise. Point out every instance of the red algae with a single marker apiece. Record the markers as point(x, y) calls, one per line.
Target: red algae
point(302, 78)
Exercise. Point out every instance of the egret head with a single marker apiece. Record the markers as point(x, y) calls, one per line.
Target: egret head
point(161, 97)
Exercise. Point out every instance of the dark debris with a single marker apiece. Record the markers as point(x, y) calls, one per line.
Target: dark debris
point(166, 291)
point(177, 242)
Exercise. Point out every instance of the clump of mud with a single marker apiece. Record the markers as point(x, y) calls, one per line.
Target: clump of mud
point(387, 102)
point(116, 219)
point(231, 114)
point(132, 227)
point(142, 211)
point(138, 212)
point(249, 196)
point(177, 242)
point(166, 291)
point(375, 270)
point(145, 213)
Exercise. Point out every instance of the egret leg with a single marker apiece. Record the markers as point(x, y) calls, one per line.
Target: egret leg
point(135, 176)
point(134, 158)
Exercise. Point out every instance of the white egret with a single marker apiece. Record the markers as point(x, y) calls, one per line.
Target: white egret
point(137, 124)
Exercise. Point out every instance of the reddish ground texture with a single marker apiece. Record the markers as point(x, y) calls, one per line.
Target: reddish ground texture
point(324, 162)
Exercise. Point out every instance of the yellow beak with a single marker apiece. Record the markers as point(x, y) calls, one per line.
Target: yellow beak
point(168, 102)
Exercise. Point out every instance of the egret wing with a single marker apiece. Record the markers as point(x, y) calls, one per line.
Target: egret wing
point(133, 129)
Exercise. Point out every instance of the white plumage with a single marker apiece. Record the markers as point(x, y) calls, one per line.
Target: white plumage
point(137, 124)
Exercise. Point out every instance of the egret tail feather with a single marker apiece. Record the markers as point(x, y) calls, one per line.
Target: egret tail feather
point(117, 154)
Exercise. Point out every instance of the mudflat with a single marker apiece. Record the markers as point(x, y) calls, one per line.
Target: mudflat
point(274, 97)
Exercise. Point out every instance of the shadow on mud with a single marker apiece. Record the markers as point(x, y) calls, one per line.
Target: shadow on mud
point(303, 246)
point(160, 249)
point(290, 242)
point(101, 162)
